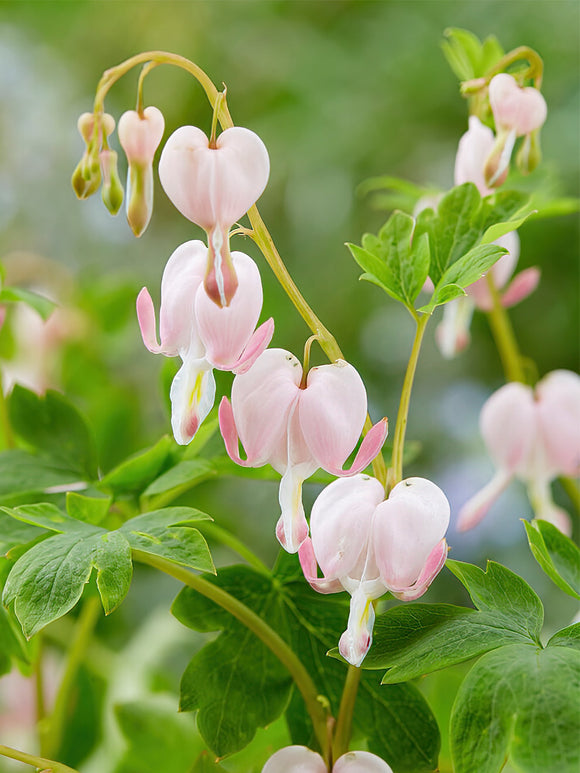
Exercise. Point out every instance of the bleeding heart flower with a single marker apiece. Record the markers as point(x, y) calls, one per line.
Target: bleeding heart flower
point(299, 759)
point(298, 427)
point(202, 334)
point(532, 435)
point(517, 112)
point(213, 187)
point(140, 135)
point(474, 147)
point(367, 546)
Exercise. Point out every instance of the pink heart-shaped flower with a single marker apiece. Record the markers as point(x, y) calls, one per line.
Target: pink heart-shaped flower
point(514, 108)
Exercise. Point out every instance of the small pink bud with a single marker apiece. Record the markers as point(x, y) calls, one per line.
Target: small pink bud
point(522, 110)
point(140, 136)
point(297, 759)
point(360, 762)
point(214, 187)
point(86, 178)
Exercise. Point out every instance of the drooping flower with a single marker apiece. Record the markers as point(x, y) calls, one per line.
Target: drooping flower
point(517, 112)
point(204, 335)
point(531, 434)
point(299, 759)
point(213, 186)
point(140, 135)
point(367, 546)
point(298, 427)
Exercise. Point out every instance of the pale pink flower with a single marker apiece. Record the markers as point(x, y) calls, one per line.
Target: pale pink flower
point(204, 335)
point(213, 187)
point(474, 148)
point(298, 427)
point(517, 112)
point(367, 546)
point(299, 759)
point(140, 135)
point(531, 434)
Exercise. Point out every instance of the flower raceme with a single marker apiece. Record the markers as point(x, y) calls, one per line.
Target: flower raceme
point(213, 185)
point(298, 425)
point(531, 434)
point(368, 545)
point(204, 335)
point(140, 134)
point(300, 759)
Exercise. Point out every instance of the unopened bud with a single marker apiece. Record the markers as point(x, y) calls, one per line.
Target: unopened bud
point(112, 191)
point(86, 178)
point(139, 196)
point(529, 155)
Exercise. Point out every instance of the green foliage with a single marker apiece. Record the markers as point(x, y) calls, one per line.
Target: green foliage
point(558, 556)
point(55, 428)
point(205, 764)
point(39, 303)
point(522, 701)
point(91, 510)
point(13, 646)
point(394, 193)
point(237, 685)
point(159, 739)
point(47, 581)
point(468, 57)
point(137, 472)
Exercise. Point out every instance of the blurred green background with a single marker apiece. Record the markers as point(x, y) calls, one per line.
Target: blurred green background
point(339, 90)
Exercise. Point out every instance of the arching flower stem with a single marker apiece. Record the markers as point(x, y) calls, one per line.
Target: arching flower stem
point(504, 336)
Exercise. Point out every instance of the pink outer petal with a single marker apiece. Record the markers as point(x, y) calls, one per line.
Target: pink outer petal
point(332, 412)
point(140, 136)
point(522, 109)
point(406, 528)
point(558, 411)
point(508, 424)
point(452, 333)
point(257, 344)
point(522, 285)
point(147, 324)
point(262, 400)
point(214, 185)
point(230, 433)
point(310, 570)
point(475, 509)
point(435, 562)
point(226, 331)
point(360, 762)
point(474, 147)
point(372, 443)
point(501, 272)
point(295, 759)
point(340, 523)
point(355, 642)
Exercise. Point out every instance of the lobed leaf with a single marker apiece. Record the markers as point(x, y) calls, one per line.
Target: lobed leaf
point(558, 556)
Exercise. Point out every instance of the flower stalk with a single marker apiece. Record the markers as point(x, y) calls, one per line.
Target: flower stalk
point(504, 336)
point(38, 762)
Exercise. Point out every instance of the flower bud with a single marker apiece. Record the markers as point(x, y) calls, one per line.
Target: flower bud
point(112, 190)
point(529, 155)
point(522, 110)
point(298, 759)
point(140, 136)
point(86, 178)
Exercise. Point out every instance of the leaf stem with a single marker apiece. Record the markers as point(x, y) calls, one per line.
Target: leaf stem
point(396, 469)
point(38, 762)
point(260, 628)
point(83, 632)
point(343, 728)
point(504, 336)
point(7, 433)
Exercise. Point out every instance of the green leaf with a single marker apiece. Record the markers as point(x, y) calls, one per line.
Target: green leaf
point(13, 646)
point(137, 472)
point(467, 56)
point(114, 569)
point(206, 764)
point(48, 516)
point(415, 639)
point(472, 266)
point(43, 306)
point(520, 701)
point(395, 719)
point(394, 193)
point(567, 637)
point(92, 510)
point(165, 533)
point(52, 425)
point(442, 295)
point(160, 739)
point(14, 533)
point(558, 556)
point(514, 604)
point(48, 580)
point(505, 207)
point(376, 271)
point(24, 474)
point(187, 473)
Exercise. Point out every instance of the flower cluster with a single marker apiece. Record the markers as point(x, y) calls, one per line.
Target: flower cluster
point(531, 434)
point(302, 760)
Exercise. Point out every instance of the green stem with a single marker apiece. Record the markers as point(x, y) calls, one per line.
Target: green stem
point(260, 628)
point(343, 730)
point(7, 433)
point(504, 336)
point(83, 632)
point(536, 69)
point(39, 694)
point(229, 540)
point(396, 469)
point(38, 762)
point(571, 488)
